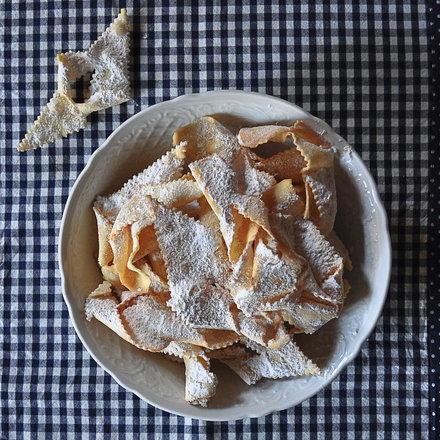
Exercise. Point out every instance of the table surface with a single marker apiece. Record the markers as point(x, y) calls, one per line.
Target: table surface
point(368, 69)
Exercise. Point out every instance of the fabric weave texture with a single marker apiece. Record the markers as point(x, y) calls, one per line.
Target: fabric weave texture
point(363, 67)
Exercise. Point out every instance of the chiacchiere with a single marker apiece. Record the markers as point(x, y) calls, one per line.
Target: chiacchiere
point(107, 60)
point(215, 253)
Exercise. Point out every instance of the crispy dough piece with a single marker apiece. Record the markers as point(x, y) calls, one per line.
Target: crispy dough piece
point(307, 133)
point(311, 162)
point(283, 198)
point(192, 251)
point(110, 274)
point(144, 240)
point(108, 57)
point(205, 306)
point(241, 277)
point(207, 216)
point(200, 383)
point(304, 238)
point(124, 249)
point(266, 329)
point(274, 278)
point(340, 248)
point(203, 137)
point(319, 180)
point(165, 169)
point(173, 194)
point(313, 309)
point(233, 187)
point(147, 322)
point(103, 306)
point(132, 238)
point(137, 209)
point(198, 271)
point(287, 361)
point(197, 268)
point(307, 315)
point(286, 164)
point(156, 262)
point(255, 136)
point(105, 253)
point(154, 325)
point(322, 297)
point(191, 209)
point(326, 264)
point(157, 283)
point(59, 118)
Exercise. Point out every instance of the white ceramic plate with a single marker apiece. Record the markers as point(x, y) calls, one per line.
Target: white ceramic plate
point(361, 223)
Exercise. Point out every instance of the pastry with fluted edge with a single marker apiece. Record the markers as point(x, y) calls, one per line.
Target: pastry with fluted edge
point(107, 60)
point(214, 253)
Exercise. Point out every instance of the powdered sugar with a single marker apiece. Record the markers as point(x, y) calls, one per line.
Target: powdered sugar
point(110, 85)
point(285, 362)
point(173, 194)
point(274, 278)
point(254, 136)
point(167, 168)
point(200, 382)
point(204, 136)
point(244, 260)
point(318, 175)
point(287, 164)
point(59, 118)
point(154, 325)
point(229, 180)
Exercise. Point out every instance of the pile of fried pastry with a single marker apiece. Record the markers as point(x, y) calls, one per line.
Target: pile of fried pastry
point(213, 252)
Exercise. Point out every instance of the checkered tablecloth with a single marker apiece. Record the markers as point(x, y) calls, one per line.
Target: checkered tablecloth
point(367, 69)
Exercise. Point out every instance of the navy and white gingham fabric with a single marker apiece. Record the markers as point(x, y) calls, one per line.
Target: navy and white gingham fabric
point(434, 223)
point(367, 68)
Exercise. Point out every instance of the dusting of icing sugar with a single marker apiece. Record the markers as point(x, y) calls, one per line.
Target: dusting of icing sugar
point(167, 168)
point(274, 278)
point(137, 209)
point(229, 179)
point(154, 325)
point(314, 247)
point(195, 260)
point(322, 184)
point(200, 382)
point(192, 252)
point(57, 119)
point(286, 164)
point(203, 306)
point(157, 284)
point(204, 136)
point(319, 176)
point(173, 194)
point(308, 316)
point(109, 58)
point(287, 361)
point(179, 349)
point(104, 307)
point(110, 85)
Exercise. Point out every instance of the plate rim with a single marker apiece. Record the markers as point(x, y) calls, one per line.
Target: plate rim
point(367, 329)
